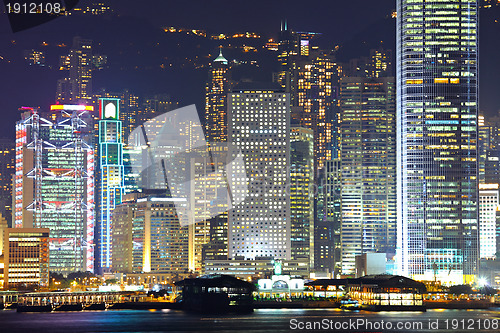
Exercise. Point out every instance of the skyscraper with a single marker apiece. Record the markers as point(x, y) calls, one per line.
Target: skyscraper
point(368, 164)
point(437, 70)
point(259, 125)
point(154, 106)
point(54, 182)
point(316, 95)
point(488, 206)
point(217, 88)
point(378, 64)
point(327, 247)
point(301, 193)
point(310, 76)
point(77, 88)
point(207, 168)
point(213, 240)
point(80, 70)
point(292, 47)
point(111, 170)
point(489, 150)
point(7, 169)
point(129, 104)
point(129, 108)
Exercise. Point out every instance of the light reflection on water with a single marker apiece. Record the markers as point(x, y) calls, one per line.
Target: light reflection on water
point(262, 320)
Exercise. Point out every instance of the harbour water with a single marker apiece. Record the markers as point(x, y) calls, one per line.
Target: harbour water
point(262, 320)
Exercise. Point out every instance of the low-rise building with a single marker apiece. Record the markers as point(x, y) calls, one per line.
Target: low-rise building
point(258, 268)
point(25, 257)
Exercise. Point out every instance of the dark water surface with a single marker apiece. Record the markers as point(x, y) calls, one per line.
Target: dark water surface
point(262, 320)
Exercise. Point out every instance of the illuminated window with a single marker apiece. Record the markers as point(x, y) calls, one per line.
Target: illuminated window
point(419, 81)
point(441, 80)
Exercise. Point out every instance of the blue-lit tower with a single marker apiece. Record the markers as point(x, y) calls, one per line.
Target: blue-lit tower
point(111, 180)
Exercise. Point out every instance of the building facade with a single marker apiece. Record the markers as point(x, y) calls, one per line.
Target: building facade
point(310, 76)
point(327, 247)
point(301, 192)
point(437, 77)
point(259, 128)
point(54, 182)
point(77, 87)
point(111, 180)
point(7, 169)
point(26, 257)
point(217, 88)
point(488, 206)
point(147, 236)
point(368, 166)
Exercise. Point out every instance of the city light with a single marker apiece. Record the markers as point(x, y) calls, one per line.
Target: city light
point(72, 107)
point(219, 158)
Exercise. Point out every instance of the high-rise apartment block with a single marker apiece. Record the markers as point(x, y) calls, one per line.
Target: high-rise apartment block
point(437, 76)
point(377, 64)
point(310, 76)
point(77, 87)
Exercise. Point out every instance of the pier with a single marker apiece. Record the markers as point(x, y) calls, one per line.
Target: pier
point(67, 301)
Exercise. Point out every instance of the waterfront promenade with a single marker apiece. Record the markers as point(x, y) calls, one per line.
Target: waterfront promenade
point(260, 321)
point(94, 300)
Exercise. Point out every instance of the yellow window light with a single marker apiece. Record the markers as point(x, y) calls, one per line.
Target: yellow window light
point(441, 80)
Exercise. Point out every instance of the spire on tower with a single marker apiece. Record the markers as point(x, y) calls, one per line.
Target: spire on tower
point(221, 58)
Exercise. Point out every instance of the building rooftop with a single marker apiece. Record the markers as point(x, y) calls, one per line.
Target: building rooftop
point(384, 280)
point(216, 280)
point(221, 58)
point(258, 86)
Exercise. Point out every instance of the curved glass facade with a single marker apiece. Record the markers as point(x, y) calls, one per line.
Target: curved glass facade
point(437, 69)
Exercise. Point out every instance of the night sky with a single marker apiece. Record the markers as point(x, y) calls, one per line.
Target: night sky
point(136, 45)
point(338, 19)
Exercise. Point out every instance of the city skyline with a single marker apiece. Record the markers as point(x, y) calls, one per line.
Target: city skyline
point(312, 160)
point(250, 166)
point(353, 38)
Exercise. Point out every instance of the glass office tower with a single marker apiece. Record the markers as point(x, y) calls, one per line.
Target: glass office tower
point(437, 70)
point(368, 168)
point(302, 193)
point(54, 182)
